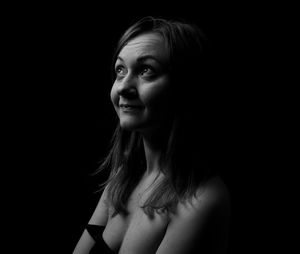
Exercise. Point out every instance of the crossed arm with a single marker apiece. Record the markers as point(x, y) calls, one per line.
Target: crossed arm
point(99, 217)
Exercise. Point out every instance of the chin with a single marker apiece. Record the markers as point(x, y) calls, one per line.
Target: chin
point(129, 125)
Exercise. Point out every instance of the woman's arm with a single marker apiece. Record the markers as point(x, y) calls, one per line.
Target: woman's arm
point(199, 227)
point(99, 217)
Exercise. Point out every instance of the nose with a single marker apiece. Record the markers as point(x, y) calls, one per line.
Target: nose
point(127, 87)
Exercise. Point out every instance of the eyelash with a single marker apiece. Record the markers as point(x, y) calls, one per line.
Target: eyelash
point(118, 69)
point(141, 70)
point(149, 69)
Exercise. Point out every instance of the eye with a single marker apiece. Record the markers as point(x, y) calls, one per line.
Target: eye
point(147, 70)
point(120, 70)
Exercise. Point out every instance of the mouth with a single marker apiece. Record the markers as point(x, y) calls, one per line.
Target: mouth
point(129, 107)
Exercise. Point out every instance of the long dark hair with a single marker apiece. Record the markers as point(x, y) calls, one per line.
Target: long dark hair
point(184, 160)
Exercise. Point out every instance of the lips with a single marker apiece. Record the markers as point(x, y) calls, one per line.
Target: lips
point(130, 106)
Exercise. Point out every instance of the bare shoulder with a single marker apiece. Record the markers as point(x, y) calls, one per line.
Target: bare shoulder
point(212, 197)
point(214, 194)
point(200, 224)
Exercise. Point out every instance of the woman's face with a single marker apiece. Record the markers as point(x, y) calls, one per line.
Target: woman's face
point(140, 91)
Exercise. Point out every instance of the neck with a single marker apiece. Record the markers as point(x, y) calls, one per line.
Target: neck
point(154, 143)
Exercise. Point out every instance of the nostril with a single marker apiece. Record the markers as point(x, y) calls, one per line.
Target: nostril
point(128, 92)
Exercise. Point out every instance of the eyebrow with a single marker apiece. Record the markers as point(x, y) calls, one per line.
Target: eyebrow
point(143, 58)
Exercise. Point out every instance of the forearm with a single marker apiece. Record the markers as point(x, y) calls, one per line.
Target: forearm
point(84, 244)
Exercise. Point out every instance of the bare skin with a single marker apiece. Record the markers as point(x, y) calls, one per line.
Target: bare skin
point(201, 225)
point(166, 233)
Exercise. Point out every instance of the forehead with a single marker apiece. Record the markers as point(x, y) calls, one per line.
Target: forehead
point(151, 44)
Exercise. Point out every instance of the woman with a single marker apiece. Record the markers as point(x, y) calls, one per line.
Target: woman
point(162, 196)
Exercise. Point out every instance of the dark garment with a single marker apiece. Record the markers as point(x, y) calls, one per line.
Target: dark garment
point(100, 245)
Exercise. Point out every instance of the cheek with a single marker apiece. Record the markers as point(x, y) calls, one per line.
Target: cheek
point(156, 97)
point(158, 105)
point(114, 98)
point(113, 95)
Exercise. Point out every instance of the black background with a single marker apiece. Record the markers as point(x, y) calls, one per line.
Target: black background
point(60, 118)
